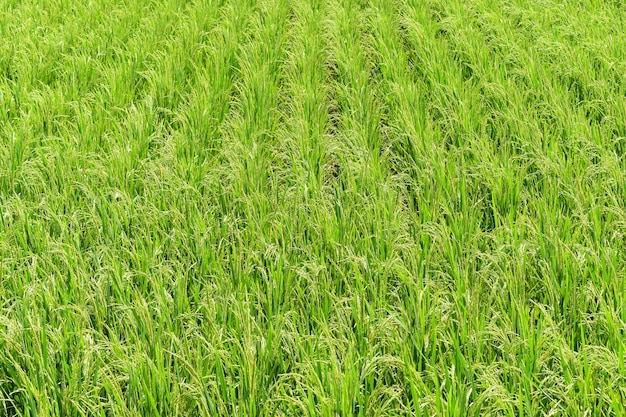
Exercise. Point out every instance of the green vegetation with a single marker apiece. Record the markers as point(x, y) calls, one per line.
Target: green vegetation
point(312, 208)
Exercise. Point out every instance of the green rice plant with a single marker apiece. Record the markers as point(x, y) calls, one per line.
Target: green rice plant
point(305, 207)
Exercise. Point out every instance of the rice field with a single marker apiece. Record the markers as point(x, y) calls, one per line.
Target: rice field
point(312, 208)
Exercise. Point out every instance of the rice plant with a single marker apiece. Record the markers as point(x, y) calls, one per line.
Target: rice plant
point(312, 208)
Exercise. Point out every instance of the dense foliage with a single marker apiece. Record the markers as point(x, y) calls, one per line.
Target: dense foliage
point(312, 208)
